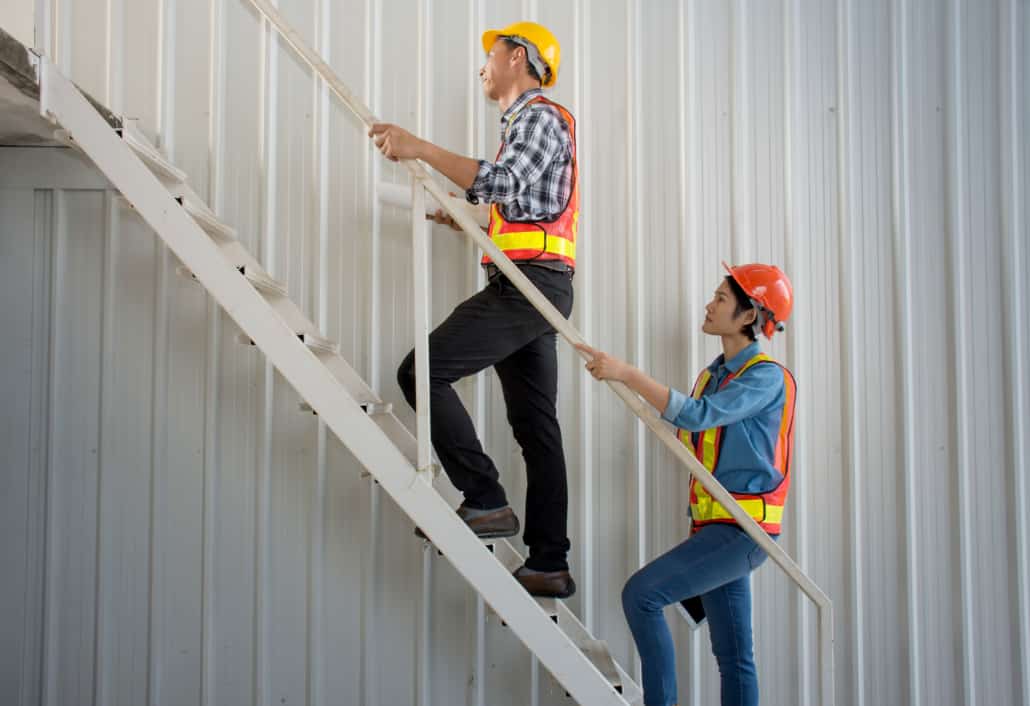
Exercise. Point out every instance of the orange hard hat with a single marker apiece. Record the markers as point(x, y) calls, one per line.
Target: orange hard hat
point(770, 290)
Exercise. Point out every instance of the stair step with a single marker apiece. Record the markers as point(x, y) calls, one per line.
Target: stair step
point(65, 137)
point(205, 218)
point(598, 653)
point(151, 156)
point(348, 377)
point(317, 343)
point(184, 271)
point(383, 409)
point(312, 341)
point(278, 297)
point(260, 280)
point(263, 282)
point(378, 408)
point(398, 434)
point(548, 605)
point(506, 554)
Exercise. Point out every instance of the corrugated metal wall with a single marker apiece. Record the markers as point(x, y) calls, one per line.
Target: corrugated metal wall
point(176, 532)
point(18, 19)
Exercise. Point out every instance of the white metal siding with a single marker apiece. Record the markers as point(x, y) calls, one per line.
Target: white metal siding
point(176, 531)
point(18, 20)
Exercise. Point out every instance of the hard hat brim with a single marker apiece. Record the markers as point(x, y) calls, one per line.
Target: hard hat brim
point(489, 38)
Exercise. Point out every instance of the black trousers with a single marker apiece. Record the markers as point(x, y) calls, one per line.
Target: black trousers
point(499, 327)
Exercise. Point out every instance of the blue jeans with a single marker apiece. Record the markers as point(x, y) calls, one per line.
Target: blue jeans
point(714, 564)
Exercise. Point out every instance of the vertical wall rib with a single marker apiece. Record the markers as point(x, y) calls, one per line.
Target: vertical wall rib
point(958, 239)
point(1013, 22)
point(901, 227)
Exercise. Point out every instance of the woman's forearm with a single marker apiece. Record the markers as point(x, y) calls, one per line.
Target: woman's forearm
point(656, 394)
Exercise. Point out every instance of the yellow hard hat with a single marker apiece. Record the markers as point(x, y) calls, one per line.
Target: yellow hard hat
point(541, 37)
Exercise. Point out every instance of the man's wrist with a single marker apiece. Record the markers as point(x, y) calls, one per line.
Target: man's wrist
point(629, 375)
point(422, 149)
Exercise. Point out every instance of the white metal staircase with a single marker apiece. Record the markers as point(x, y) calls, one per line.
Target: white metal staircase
point(211, 254)
point(399, 461)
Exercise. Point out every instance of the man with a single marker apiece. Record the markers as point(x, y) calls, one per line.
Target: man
point(533, 192)
point(739, 422)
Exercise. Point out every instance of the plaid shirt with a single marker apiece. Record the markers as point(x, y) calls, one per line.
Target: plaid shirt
point(532, 178)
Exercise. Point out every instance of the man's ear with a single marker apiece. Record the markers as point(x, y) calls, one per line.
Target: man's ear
point(750, 316)
point(515, 55)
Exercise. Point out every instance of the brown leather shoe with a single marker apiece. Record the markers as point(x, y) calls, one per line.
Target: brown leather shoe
point(501, 523)
point(547, 584)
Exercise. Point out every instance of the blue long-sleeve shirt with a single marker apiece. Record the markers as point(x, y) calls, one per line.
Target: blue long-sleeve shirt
point(750, 407)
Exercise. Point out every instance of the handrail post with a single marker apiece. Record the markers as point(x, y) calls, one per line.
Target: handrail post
point(420, 293)
point(827, 683)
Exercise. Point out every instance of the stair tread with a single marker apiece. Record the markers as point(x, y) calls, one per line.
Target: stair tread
point(601, 657)
point(260, 280)
point(398, 434)
point(349, 378)
point(263, 281)
point(316, 342)
point(205, 217)
point(151, 156)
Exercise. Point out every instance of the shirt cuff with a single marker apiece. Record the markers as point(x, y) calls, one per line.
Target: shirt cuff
point(676, 402)
point(481, 184)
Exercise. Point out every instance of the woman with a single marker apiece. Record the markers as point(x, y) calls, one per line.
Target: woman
point(738, 421)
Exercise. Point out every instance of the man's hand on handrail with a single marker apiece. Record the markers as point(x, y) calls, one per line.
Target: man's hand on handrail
point(444, 219)
point(395, 142)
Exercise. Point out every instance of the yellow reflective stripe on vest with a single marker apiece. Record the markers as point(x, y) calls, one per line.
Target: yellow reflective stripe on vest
point(709, 437)
point(760, 358)
point(707, 509)
point(497, 222)
point(702, 383)
point(533, 240)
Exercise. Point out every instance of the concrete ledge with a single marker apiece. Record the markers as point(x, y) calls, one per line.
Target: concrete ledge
point(20, 122)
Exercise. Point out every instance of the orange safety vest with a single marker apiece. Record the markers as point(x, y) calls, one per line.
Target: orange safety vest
point(540, 240)
point(765, 508)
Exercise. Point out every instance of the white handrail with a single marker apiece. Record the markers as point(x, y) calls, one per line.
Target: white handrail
point(462, 217)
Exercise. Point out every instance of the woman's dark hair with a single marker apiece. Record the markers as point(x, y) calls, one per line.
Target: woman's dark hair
point(743, 305)
point(515, 45)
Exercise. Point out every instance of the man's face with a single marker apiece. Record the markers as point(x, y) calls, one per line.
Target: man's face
point(497, 73)
point(719, 318)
